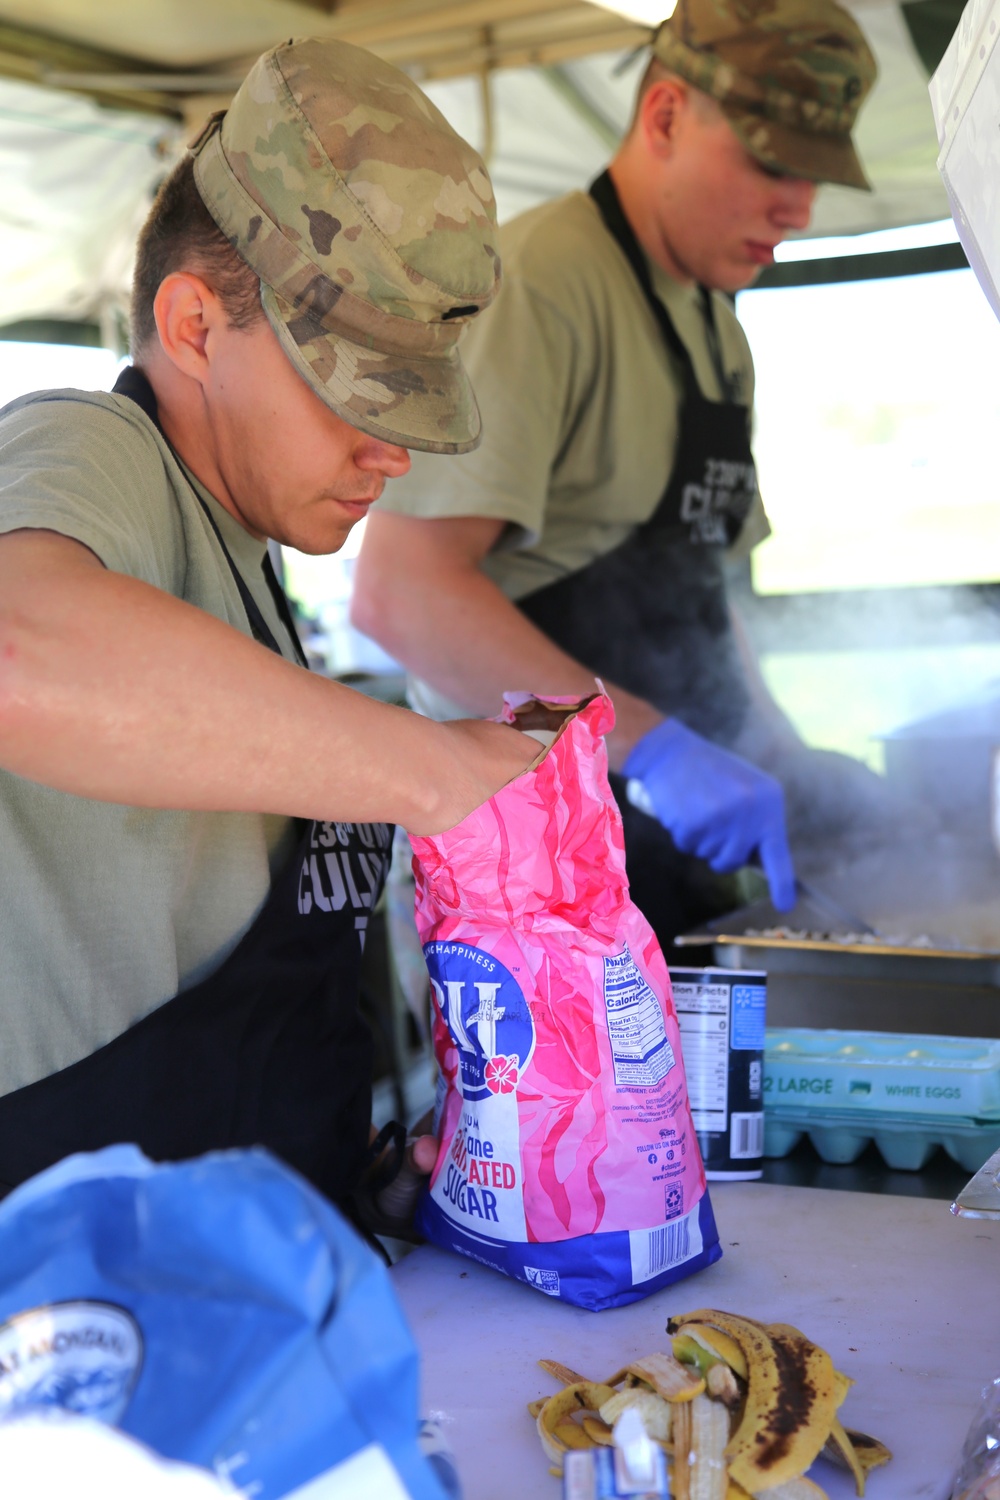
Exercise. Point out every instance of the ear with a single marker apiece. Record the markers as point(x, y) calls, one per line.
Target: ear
point(188, 315)
point(661, 114)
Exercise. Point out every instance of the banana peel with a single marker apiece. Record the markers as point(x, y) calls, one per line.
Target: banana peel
point(599, 1432)
point(743, 1407)
point(554, 1421)
point(667, 1377)
point(681, 1475)
point(843, 1382)
point(856, 1451)
point(563, 1373)
point(709, 1473)
point(715, 1343)
point(790, 1404)
point(656, 1414)
point(839, 1442)
point(871, 1453)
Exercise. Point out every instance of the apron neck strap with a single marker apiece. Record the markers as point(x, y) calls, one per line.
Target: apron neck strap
point(134, 385)
point(605, 195)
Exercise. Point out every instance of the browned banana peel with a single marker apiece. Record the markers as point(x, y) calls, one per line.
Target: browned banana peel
point(791, 1399)
point(742, 1407)
point(562, 1373)
point(861, 1455)
point(840, 1448)
point(871, 1453)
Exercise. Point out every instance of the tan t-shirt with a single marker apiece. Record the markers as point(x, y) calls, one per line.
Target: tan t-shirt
point(108, 910)
point(580, 401)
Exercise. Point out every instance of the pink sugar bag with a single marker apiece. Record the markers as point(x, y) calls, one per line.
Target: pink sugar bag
point(568, 1156)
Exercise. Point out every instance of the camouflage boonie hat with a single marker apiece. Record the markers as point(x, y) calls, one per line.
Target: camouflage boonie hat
point(790, 76)
point(372, 227)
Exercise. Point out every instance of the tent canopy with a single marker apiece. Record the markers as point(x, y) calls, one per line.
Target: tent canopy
point(97, 101)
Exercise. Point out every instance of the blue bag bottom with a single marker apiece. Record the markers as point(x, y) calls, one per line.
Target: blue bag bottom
point(591, 1270)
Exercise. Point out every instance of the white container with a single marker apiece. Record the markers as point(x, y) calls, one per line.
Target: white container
point(965, 98)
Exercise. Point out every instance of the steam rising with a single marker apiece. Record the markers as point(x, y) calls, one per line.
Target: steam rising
point(911, 850)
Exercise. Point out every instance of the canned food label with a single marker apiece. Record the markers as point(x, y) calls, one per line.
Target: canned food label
point(703, 1018)
point(722, 1016)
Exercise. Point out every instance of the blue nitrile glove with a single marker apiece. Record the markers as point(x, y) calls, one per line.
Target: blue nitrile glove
point(713, 804)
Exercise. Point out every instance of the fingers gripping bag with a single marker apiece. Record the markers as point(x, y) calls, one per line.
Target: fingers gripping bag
point(568, 1157)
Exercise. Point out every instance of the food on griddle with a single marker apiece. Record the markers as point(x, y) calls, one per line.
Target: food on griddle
point(807, 935)
point(741, 1409)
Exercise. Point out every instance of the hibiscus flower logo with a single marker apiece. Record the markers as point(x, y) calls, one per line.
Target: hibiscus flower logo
point(501, 1074)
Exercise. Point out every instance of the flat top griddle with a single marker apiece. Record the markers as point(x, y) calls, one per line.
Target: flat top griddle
point(807, 928)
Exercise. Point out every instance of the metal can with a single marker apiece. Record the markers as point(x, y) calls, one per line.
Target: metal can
point(722, 1014)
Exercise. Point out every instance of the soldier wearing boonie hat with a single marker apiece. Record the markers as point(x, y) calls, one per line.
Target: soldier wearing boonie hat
point(590, 533)
point(300, 286)
point(789, 75)
point(372, 227)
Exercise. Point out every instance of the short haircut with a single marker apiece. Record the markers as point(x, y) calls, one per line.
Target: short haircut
point(181, 235)
point(657, 72)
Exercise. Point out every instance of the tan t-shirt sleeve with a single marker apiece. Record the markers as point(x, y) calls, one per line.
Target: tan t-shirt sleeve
point(523, 360)
point(106, 503)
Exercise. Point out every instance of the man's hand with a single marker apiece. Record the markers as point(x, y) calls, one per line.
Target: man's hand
point(398, 1201)
point(388, 1207)
point(713, 804)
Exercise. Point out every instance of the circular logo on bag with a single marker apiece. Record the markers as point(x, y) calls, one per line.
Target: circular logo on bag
point(82, 1357)
point(484, 1009)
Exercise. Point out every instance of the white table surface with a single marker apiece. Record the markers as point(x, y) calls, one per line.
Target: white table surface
point(905, 1296)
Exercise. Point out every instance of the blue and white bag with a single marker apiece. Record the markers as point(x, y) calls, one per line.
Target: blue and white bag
point(221, 1312)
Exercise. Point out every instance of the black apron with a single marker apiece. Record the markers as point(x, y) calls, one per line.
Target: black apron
point(269, 1050)
point(652, 616)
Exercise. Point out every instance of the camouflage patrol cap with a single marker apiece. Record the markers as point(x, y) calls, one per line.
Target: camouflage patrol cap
point(790, 76)
point(372, 227)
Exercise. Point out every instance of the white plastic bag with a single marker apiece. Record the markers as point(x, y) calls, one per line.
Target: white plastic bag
point(77, 1458)
point(965, 98)
point(978, 1476)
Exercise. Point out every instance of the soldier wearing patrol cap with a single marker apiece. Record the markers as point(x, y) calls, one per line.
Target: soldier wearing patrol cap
point(589, 533)
point(195, 828)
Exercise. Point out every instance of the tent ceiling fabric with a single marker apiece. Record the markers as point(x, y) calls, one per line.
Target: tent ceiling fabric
point(433, 38)
point(97, 99)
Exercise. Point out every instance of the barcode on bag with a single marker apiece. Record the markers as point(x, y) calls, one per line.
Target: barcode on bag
point(746, 1136)
point(656, 1250)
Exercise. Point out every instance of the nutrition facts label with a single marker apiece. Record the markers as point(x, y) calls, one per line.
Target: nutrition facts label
point(703, 1016)
point(639, 1047)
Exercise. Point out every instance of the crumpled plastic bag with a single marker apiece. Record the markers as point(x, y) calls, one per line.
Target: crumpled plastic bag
point(568, 1156)
point(965, 100)
point(218, 1310)
point(978, 1476)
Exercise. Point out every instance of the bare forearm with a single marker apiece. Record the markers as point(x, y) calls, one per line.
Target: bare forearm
point(448, 623)
point(473, 645)
point(113, 690)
